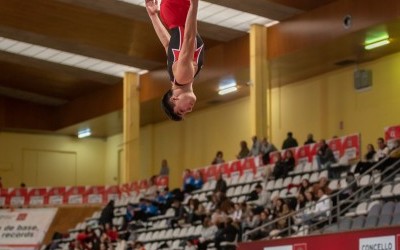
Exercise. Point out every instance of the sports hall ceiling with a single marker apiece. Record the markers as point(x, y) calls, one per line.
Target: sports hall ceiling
point(62, 61)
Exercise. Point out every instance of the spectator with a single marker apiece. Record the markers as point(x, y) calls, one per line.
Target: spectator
point(244, 150)
point(188, 181)
point(219, 158)
point(111, 232)
point(325, 158)
point(367, 162)
point(22, 185)
point(289, 142)
point(198, 180)
point(151, 191)
point(382, 151)
point(393, 156)
point(256, 147)
point(264, 231)
point(289, 163)
point(107, 214)
point(321, 210)
point(164, 170)
point(207, 234)
point(179, 214)
point(266, 149)
point(228, 232)
point(263, 200)
point(196, 212)
point(310, 139)
point(251, 221)
point(283, 221)
point(351, 186)
point(221, 185)
point(304, 186)
point(279, 167)
point(139, 246)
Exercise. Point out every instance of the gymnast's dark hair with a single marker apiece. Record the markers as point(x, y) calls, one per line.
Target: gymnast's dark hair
point(168, 107)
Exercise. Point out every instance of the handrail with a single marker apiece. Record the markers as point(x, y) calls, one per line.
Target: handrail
point(335, 196)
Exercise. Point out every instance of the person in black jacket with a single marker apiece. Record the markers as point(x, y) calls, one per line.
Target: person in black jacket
point(221, 185)
point(227, 232)
point(107, 214)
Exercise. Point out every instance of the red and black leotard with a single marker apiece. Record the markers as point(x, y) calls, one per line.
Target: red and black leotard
point(173, 14)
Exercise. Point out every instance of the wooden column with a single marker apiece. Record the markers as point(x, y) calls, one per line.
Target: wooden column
point(260, 82)
point(131, 169)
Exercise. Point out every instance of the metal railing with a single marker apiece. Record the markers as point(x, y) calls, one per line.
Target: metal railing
point(340, 208)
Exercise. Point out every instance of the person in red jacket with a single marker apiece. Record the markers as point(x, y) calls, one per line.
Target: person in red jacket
point(184, 48)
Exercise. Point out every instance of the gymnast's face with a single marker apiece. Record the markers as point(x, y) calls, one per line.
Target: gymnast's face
point(183, 101)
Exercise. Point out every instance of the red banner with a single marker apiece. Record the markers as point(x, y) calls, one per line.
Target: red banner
point(36, 196)
point(74, 195)
point(235, 167)
point(303, 154)
point(351, 146)
point(55, 196)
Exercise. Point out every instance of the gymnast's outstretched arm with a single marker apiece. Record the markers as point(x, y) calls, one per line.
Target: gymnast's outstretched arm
point(161, 31)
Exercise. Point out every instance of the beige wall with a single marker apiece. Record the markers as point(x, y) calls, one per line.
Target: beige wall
point(194, 142)
point(41, 160)
point(320, 104)
point(315, 105)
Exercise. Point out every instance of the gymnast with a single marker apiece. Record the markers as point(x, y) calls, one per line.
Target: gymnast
point(184, 48)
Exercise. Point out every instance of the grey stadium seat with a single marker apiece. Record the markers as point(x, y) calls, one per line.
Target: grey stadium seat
point(371, 221)
point(345, 224)
point(358, 223)
point(384, 220)
point(388, 208)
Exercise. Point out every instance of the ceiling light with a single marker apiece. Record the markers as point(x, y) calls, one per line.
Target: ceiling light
point(66, 58)
point(227, 90)
point(376, 44)
point(84, 133)
point(221, 15)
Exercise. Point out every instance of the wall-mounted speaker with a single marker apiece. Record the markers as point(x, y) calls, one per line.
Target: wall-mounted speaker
point(362, 79)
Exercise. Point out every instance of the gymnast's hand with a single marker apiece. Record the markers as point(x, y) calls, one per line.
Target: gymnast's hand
point(152, 7)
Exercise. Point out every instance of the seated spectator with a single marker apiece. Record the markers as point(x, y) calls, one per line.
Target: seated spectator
point(112, 232)
point(129, 215)
point(382, 151)
point(219, 158)
point(151, 190)
point(367, 162)
point(251, 221)
point(351, 186)
point(244, 150)
point(163, 200)
point(321, 210)
point(255, 148)
point(323, 183)
point(227, 232)
point(289, 162)
point(279, 168)
point(263, 200)
point(198, 180)
point(394, 156)
point(325, 156)
point(207, 234)
point(266, 149)
point(179, 214)
point(221, 185)
point(218, 216)
point(264, 231)
point(283, 221)
point(196, 212)
point(289, 142)
point(188, 181)
point(310, 139)
point(305, 185)
point(145, 210)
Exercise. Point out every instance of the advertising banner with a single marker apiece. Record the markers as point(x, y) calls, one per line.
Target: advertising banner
point(24, 229)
